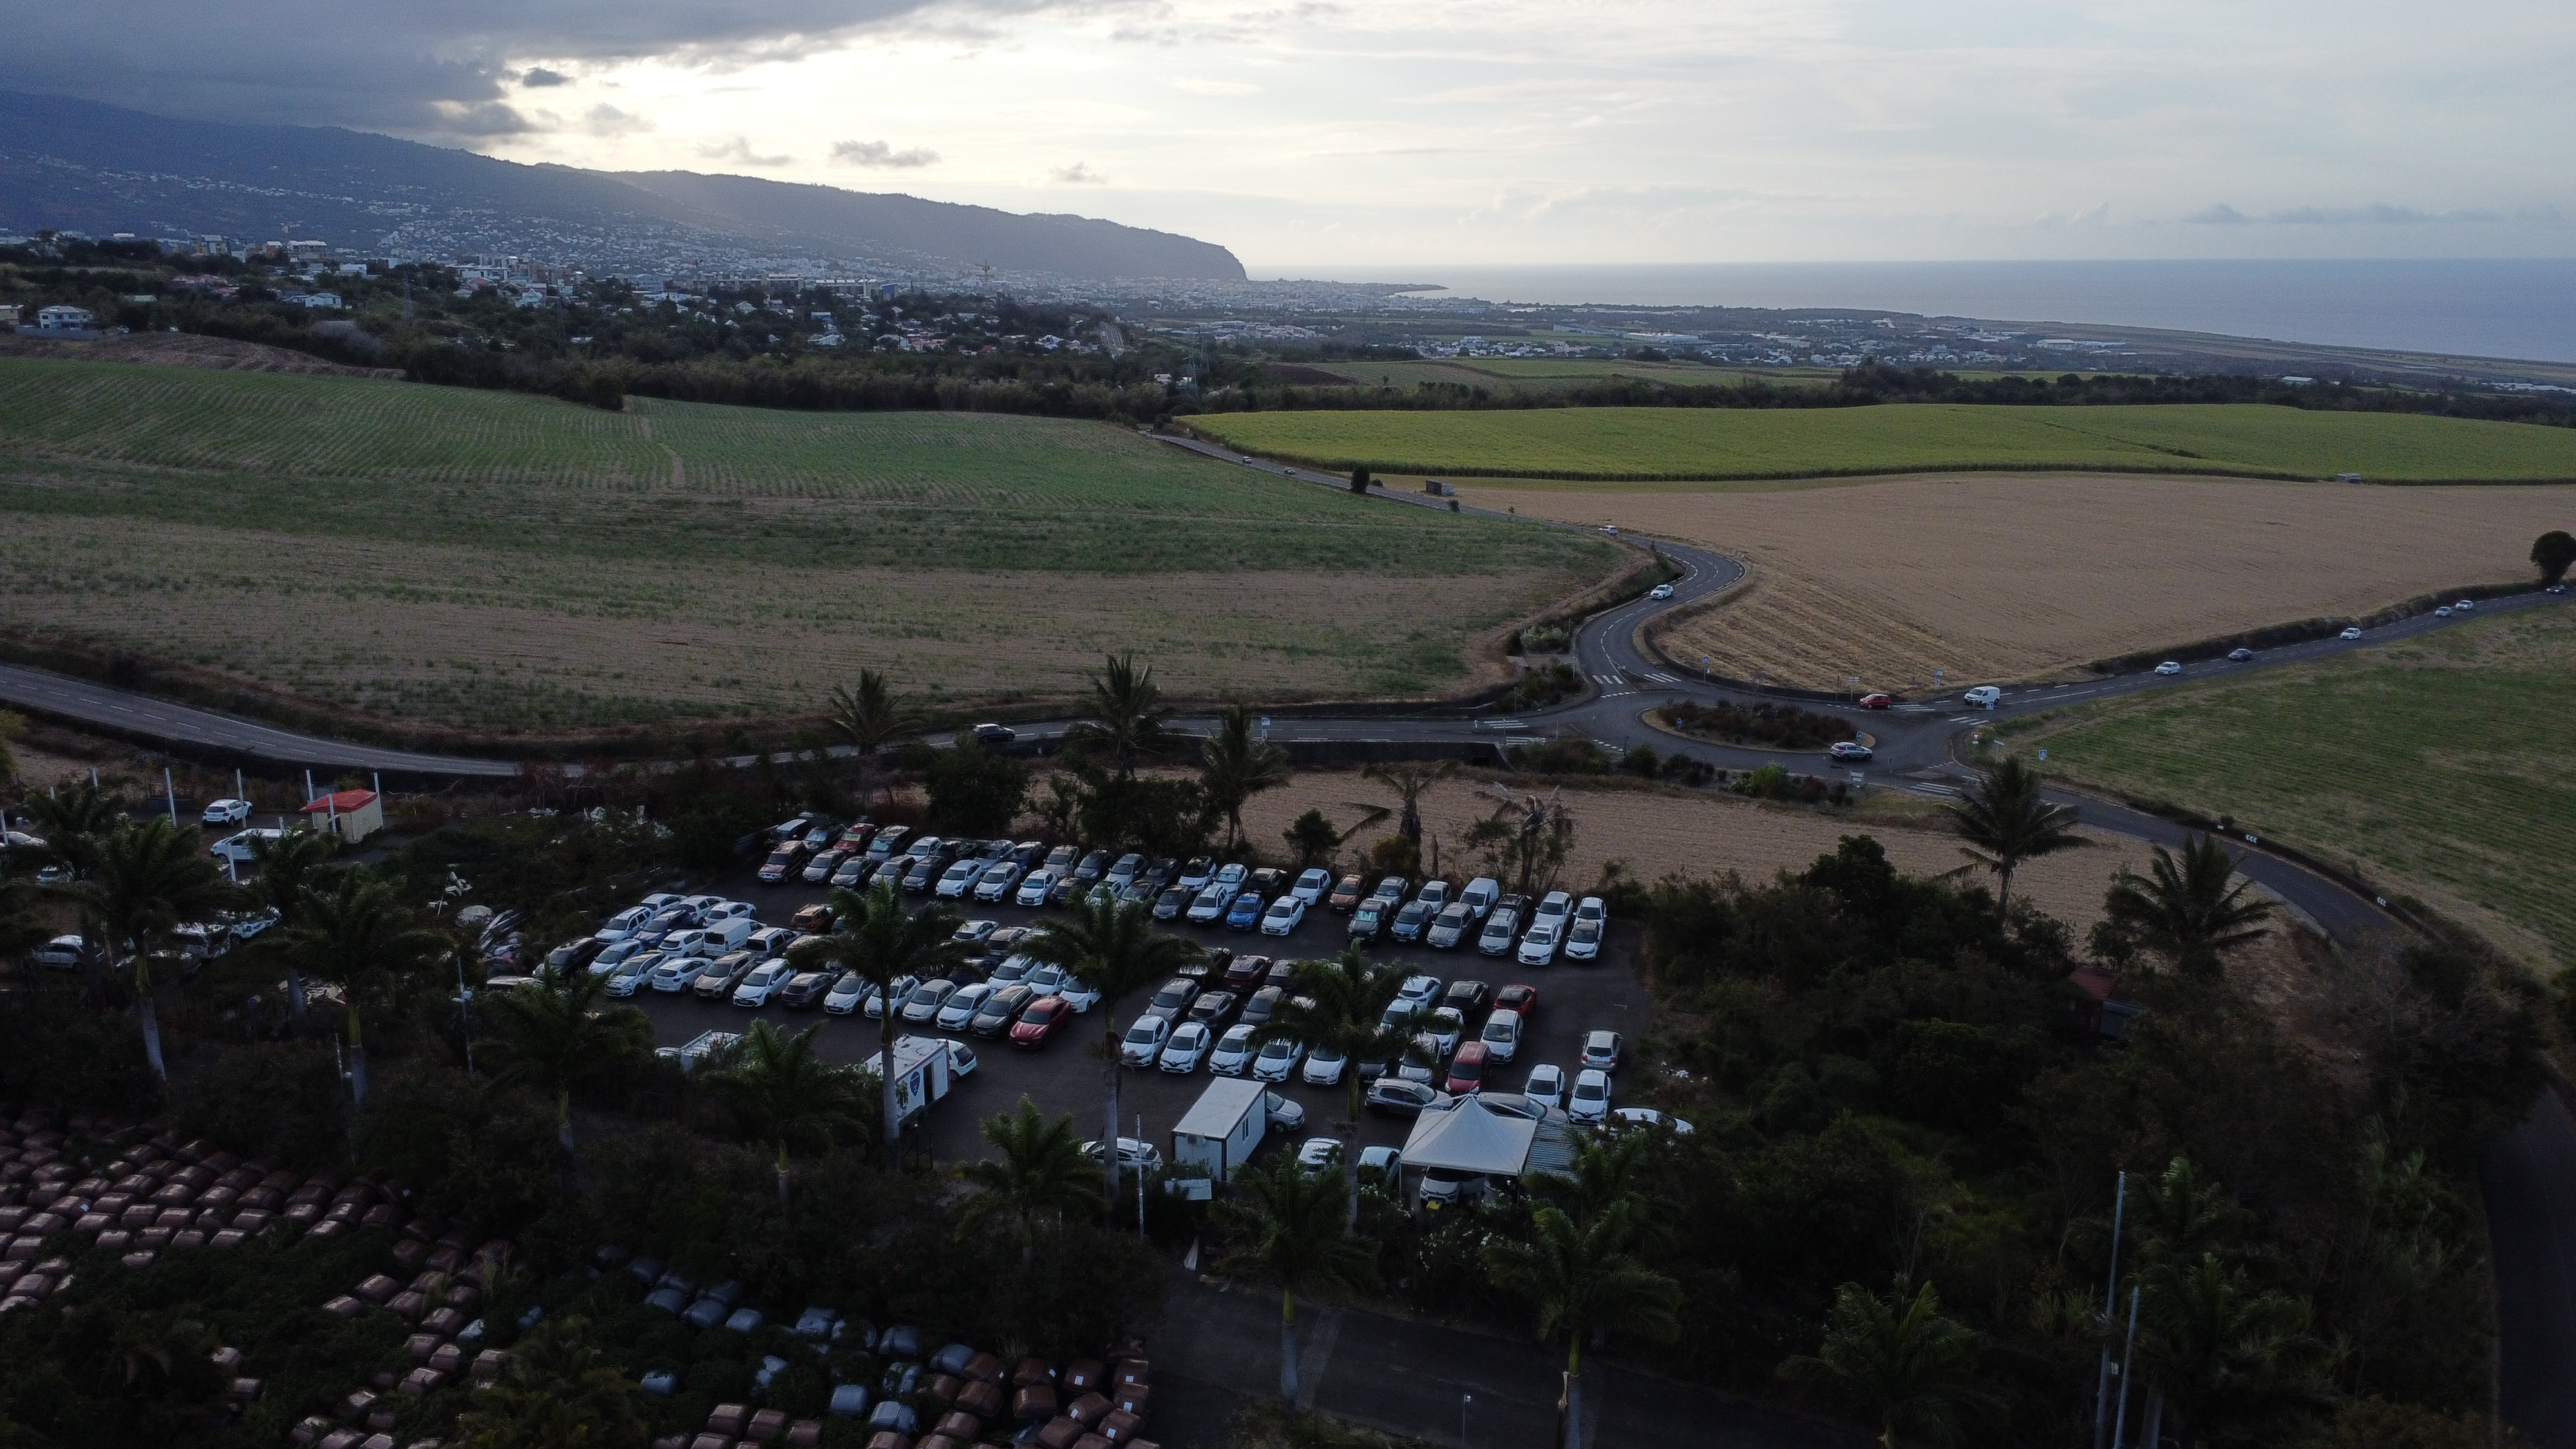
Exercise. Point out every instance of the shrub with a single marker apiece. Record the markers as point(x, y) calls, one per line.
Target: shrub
point(1766, 723)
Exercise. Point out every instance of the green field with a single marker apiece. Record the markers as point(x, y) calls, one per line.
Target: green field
point(1647, 444)
point(2444, 767)
point(490, 559)
point(1549, 374)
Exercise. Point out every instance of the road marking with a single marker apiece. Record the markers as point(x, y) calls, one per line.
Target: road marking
point(1605, 679)
point(1659, 676)
point(1964, 718)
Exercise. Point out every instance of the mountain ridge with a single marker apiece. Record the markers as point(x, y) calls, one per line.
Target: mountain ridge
point(86, 166)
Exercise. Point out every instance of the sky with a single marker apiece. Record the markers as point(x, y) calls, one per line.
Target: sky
point(1319, 138)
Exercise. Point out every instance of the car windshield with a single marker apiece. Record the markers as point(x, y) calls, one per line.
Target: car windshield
point(1278, 1049)
point(1043, 1012)
point(1588, 1091)
point(1143, 1031)
point(930, 991)
point(1172, 995)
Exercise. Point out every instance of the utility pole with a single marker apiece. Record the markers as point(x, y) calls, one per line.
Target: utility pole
point(2128, 1356)
point(2110, 1305)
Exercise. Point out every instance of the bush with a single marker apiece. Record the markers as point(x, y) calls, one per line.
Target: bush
point(1766, 723)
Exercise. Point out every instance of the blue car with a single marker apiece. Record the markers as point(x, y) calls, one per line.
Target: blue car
point(1245, 913)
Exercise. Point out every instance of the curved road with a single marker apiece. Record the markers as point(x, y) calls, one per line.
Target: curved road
point(2530, 1174)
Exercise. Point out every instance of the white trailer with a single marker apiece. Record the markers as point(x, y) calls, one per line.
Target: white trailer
point(923, 1070)
point(1222, 1129)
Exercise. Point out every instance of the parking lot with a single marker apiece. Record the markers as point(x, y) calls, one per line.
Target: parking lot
point(1066, 1075)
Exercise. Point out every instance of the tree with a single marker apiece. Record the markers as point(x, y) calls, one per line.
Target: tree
point(22, 924)
point(2554, 553)
point(882, 945)
point(1236, 764)
point(287, 864)
point(870, 717)
point(1299, 1230)
point(351, 934)
point(1899, 1361)
point(557, 1391)
point(973, 791)
point(1128, 720)
point(13, 728)
point(1313, 838)
point(145, 878)
point(1041, 1173)
point(73, 821)
point(1606, 1177)
point(554, 1033)
point(1526, 841)
point(2006, 820)
point(2190, 909)
point(2233, 1362)
point(1113, 947)
point(1360, 479)
point(1408, 780)
point(1341, 1004)
point(783, 1092)
point(1582, 1280)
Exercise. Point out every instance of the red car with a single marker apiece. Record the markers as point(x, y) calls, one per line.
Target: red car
point(1040, 1021)
point(1466, 1070)
point(1516, 997)
point(1877, 701)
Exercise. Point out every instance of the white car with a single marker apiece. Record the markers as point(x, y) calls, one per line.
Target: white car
point(1277, 1060)
point(1447, 1027)
point(1546, 1084)
point(2443, 612)
point(1538, 948)
point(678, 973)
point(1419, 990)
point(1035, 889)
point(1210, 906)
point(1604, 1050)
point(1500, 927)
point(958, 879)
point(628, 976)
point(723, 911)
point(2349, 634)
point(762, 983)
point(1285, 1115)
point(1649, 1117)
point(1660, 591)
point(846, 994)
point(1984, 696)
point(1187, 1048)
point(2169, 667)
point(1386, 1162)
point(974, 933)
point(1583, 943)
point(873, 1005)
point(2465, 605)
point(1312, 886)
point(1502, 1035)
point(1233, 873)
point(1283, 916)
point(1234, 1051)
point(1079, 994)
point(1591, 1099)
point(995, 883)
point(921, 1008)
point(1134, 1155)
point(1553, 908)
point(228, 812)
point(962, 1004)
point(1320, 1154)
point(624, 924)
point(1324, 1067)
point(1144, 1041)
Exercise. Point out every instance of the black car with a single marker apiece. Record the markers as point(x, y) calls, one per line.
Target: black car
point(1263, 1005)
point(1395, 1097)
point(806, 989)
point(995, 734)
point(1281, 972)
point(1169, 905)
point(1173, 1001)
point(1002, 1008)
point(2240, 655)
point(1215, 1008)
point(1467, 997)
point(1267, 881)
point(1411, 921)
point(573, 956)
point(927, 869)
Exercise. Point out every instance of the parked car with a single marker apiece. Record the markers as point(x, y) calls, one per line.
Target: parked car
point(1368, 920)
point(678, 973)
point(885, 843)
point(1502, 1035)
point(1455, 920)
point(1244, 913)
point(1591, 1099)
point(1043, 1019)
point(959, 1009)
point(1210, 905)
point(805, 990)
point(763, 983)
point(814, 920)
point(1276, 1060)
point(1284, 1114)
point(1172, 1001)
point(1422, 991)
point(1519, 998)
point(845, 995)
point(1324, 1067)
point(1546, 1084)
point(1001, 1009)
point(227, 812)
point(1320, 1154)
point(1195, 875)
point(1134, 1155)
point(628, 976)
point(1411, 920)
point(1144, 1041)
point(1467, 997)
point(625, 923)
point(1187, 1050)
point(1395, 1097)
point(958, 879)
point(1583, 943)
point(1447, 1026)
point(820, 869)
point(1346, 894)
point(1214, 1009)
point(1539, 947)
point(1604, 1049)
point(1234, 1052)
point(787, 858)
point(573, 955)
point(1238, 973)
point(1284, 915)
point(1313, 884)
point(876, 1003)
point(1390, 889)
point(723, 974)
point(1466, 1070)
point(1649, 1118)
point(1262, 1005)
point(1501, 928)
point(921, 1008)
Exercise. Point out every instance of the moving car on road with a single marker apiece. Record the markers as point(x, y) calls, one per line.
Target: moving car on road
point(2239, 655)
point(1878, 701)
point(1852, 750)
point(2349, 634)
point(2169, 667)
point(1660, 591)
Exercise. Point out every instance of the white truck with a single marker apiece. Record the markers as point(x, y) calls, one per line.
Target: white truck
point(924, 1068)
point(1222, 1129)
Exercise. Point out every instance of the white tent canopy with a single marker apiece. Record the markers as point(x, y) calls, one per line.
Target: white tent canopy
point(1493, 1135)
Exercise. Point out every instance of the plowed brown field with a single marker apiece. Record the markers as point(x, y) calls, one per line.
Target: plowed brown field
point(2004, 577)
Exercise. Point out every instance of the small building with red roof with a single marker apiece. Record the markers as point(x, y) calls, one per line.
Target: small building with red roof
point(353, 815)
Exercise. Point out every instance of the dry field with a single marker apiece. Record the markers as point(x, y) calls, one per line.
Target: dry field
point(1656, 833)
point(2007, 577)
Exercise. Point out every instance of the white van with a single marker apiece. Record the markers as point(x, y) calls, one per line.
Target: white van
point(1984, 696)
point(1481, 895)
point(716, 940)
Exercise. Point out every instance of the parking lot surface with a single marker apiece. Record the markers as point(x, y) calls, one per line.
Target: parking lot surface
point(1066, 1076)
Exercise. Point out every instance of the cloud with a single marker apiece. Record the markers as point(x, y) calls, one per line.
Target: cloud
point(606, 120)
point(739, 152)
point(1077, 174)
point(538, 77)
point(480, 118)
point(1216, 87)
point(879, 154)
point(2378, 213)
point(2219, 213)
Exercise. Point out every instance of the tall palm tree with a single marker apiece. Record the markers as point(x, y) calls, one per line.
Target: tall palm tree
point(2005, 819)
point(2190, 908)
point(1236, 764)
point(1041, 1173)
point(1340, 1004)
point(871, 717)
point(1409, 780)
point(287, 865)
point(74, 822)
point(1299, 1233)
point(1113, 947)
point(1582, 1279)
point(22, 928)
point(555, 1389)
point(882, 944)
point(2222, 1354)
point(1604, 1178)
point(1899, 1361)
point(145, 877)
point(554, 1033)
point(1128, 721)
point(350, 935)
point(785, 1093)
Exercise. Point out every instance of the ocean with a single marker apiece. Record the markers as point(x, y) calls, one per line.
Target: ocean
point(2522, 309)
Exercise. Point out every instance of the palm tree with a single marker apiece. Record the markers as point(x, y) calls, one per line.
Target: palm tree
point(1340, 1004)
point(1113, 947)
point(554, 1032)
point(871, 717)
point(22, 928)
point(1582, 1279)
point(287, 864)
point(2189, 908)
point(145, 878)
point(1041, 1173)
point(1128, 721)
point(2007, 820)
point(1898, 1360)
point(1300, 1235)
point(1236, 765)
point(882, 945)
point(350, 934)
point(556, 1389)
point(74, 822)
point(2223, 1355)
point(785, 1093)
point(1604, 1179)
point(1409, 781)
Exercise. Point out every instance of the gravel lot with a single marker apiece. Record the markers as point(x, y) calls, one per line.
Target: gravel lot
point(1064, 1077)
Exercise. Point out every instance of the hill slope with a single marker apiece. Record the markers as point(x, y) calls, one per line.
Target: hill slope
point(82, 166)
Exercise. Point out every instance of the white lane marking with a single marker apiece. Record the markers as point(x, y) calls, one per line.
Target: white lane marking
point(1965, 718)
point(1659, 676)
